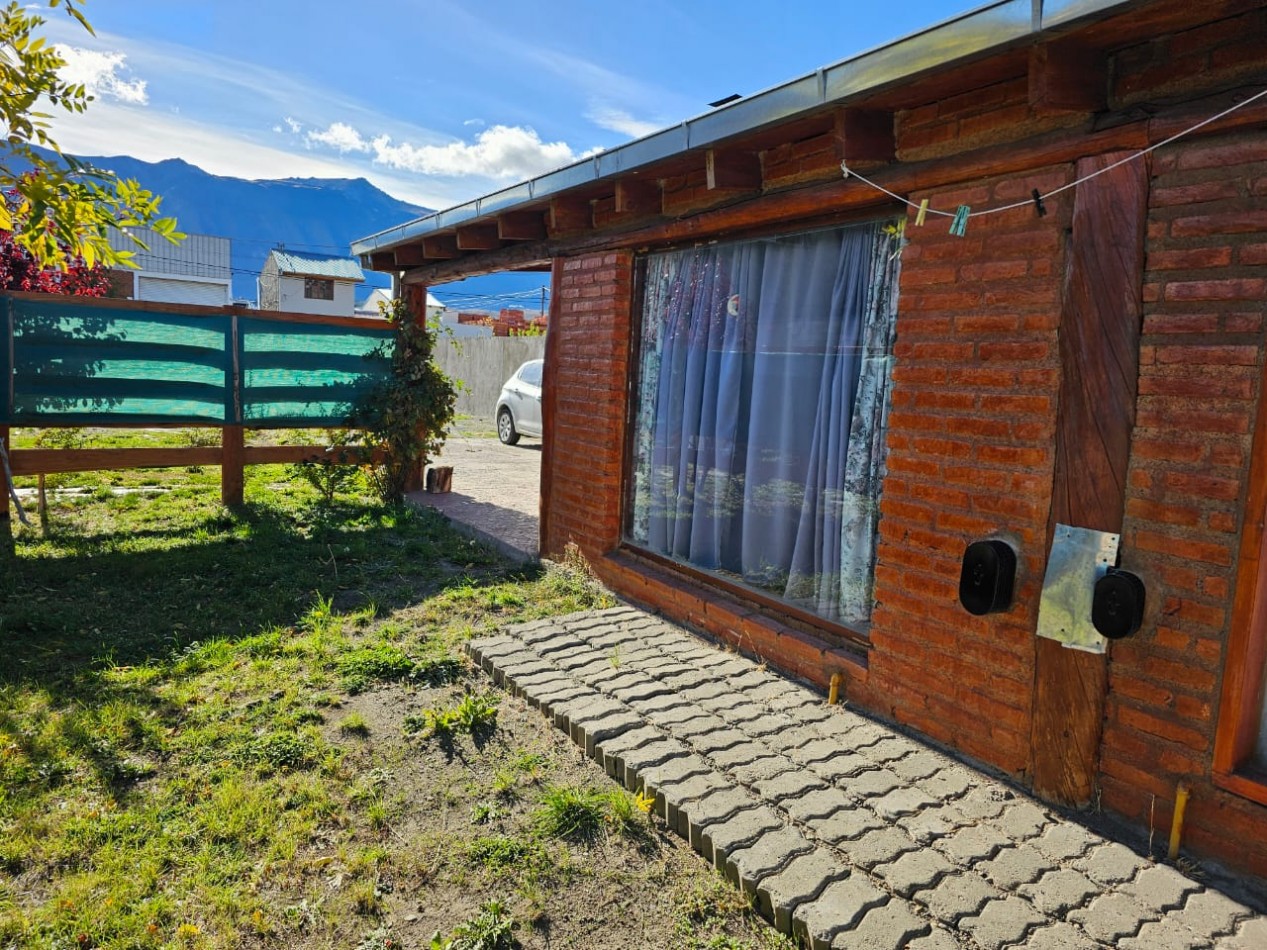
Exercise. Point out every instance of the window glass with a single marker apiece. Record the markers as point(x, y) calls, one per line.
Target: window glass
point(318, 288)
point(531, 373)
point(762, 392)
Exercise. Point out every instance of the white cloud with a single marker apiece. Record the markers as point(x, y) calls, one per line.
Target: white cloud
point(292, 124)
point(480, 123)
point(500, 152)
point(339, 136)
point(98, 71)
point(618, 120)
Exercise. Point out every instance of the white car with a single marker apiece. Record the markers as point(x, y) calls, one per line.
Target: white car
point(519, 405)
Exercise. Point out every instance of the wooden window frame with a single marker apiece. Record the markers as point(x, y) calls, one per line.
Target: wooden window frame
point(325, 283)
point(1241, 702)
point(857, 638)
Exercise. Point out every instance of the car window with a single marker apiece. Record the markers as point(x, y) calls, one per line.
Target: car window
point(531, 373)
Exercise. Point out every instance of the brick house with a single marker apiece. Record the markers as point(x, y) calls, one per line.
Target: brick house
point(1092, 358)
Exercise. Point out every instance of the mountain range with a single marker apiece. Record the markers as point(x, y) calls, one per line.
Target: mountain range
point(323, 215)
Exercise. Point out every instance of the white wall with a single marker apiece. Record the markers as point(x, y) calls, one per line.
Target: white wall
point(166, 288)
point(294, 301)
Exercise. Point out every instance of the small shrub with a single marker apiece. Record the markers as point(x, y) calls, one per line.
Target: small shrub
point(332, 471)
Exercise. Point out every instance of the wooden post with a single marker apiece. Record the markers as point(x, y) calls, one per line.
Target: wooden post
point(1099, 355)
point(549, 402)
point(232, 465)
point(416, 304)
point(4, 479)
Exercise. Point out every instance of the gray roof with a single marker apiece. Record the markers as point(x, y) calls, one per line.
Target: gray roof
point(302, 264)
point(996, 26)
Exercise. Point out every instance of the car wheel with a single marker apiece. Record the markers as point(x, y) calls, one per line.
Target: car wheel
point(506, 427)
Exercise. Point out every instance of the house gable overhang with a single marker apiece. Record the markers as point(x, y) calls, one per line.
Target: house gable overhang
point(710, 168)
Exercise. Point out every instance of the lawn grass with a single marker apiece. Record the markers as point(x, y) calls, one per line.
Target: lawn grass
point(204, 735)
point(162, 685)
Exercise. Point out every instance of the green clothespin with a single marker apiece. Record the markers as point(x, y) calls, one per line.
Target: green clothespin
point(960, 224)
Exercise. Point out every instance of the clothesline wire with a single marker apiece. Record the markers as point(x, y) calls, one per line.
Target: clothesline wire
point(850, 173)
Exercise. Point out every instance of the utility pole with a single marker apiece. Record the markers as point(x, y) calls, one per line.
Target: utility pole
point(543, 301)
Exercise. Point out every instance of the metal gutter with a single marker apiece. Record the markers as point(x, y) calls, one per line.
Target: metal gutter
point(991, 27)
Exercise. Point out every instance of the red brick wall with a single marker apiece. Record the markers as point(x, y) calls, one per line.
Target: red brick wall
point(587, 367)
point(1204, 292)
point(970, 457)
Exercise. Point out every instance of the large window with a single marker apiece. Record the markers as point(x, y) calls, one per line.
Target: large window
point(762, 390)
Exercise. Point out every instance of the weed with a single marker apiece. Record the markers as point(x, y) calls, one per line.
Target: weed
point(484, 812)
point(571, 813)
point(354, 724)
point(476, 715)
point(492, 929)
point(614, 657)
point(282, 751)
point(382, 663)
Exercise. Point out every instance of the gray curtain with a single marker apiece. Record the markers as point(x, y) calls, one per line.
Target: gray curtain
point(762, 390)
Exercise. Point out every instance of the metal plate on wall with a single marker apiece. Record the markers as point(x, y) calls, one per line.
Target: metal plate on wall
point(1079, 558)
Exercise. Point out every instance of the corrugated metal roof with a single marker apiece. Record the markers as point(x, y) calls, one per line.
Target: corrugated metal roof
point(317, 265)
point(995, 26)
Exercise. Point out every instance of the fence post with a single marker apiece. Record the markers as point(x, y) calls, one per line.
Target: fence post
point(232, 465)
point(4, 479)
point(416, 304)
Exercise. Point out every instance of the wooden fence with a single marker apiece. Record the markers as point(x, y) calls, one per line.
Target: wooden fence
point(70, 361)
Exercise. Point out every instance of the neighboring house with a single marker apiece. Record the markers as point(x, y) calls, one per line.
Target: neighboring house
point(782, 405)
point(300, 282)
point(369, 307)
point(194, 271)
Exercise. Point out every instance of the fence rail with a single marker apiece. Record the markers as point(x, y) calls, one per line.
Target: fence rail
point(70, 361)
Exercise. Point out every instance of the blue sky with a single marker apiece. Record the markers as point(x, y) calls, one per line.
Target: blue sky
point(435, 101)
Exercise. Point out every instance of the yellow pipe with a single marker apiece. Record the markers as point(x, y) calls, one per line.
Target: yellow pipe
point(833, 694)
point(1176, 823)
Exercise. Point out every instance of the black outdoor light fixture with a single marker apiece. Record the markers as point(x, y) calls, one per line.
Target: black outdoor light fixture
point(987, 576)
point(1117, 606)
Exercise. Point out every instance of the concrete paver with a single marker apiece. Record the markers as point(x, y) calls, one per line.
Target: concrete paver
point(845, 832)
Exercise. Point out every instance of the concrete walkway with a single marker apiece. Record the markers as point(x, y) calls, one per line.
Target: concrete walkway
point(496, 493)
point(846, 833)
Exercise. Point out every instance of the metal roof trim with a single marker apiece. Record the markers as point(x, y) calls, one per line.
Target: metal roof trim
point(993, 26)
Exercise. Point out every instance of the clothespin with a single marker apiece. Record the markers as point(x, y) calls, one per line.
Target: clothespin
point(921, 214)
point(960, 224)
point(844, 169)
point(1038, 204)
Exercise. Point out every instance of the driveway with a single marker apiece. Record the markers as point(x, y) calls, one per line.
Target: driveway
point(495, 494)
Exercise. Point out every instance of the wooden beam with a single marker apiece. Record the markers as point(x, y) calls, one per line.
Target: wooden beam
point(864, 135)
point(570, 215)
point(1067, 77)
point(409, 255)
point(732, 170)
point(522, 226)
point(441, 247)
point(383, 260)
point(1099, 354)
point(638, 196)
point(478, 237)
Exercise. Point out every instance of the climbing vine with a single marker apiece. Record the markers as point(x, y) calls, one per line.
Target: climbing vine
point(404, 421)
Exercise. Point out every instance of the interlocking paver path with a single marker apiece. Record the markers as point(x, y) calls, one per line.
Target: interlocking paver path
point(845, 833)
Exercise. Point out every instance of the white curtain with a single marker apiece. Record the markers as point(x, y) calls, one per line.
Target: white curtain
point(762, 390)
